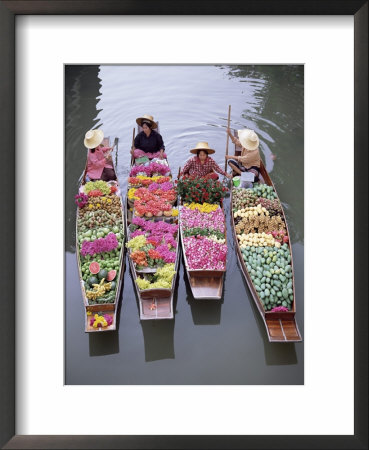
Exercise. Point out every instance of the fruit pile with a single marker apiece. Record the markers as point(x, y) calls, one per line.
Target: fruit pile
point(243, 198)
point(272, 206)
point(271, 272)
point(100, 235)
point(263, 240)
point(264, 191)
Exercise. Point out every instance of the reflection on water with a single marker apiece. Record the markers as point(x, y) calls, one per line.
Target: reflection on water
point(208, 342)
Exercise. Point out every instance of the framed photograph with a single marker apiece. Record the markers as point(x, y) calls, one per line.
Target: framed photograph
point(42, 405)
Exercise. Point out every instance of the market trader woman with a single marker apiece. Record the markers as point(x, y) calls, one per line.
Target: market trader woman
point(149, 142)
point(202, 165)
point(99, 162)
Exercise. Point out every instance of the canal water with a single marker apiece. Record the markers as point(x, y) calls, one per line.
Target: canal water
point(207, 342)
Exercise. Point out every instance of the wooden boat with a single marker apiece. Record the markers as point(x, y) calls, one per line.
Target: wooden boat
point(104, 309)
point(153, 303)
point(205, 284)
point(280, 326)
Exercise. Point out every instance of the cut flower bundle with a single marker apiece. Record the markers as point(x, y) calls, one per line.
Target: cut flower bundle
point(153, 242)
point(203, 233)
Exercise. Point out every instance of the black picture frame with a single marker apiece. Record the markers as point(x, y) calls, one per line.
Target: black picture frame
point(8, 11)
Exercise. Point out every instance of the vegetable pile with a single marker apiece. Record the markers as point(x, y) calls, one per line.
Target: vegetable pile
point(100, 234)
point(264, 243)
point(153, 244)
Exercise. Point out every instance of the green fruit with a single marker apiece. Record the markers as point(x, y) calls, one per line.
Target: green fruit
point(102, 274)
point(93, 280)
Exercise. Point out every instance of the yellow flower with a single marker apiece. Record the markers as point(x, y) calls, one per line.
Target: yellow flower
point(98, 205)
point(131, 194)
point(90, 206)
point(89, 313)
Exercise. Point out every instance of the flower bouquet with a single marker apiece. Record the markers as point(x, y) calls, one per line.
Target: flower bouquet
point(199, 190)
point(153, 169)
point(204, 239)
point(152, 252)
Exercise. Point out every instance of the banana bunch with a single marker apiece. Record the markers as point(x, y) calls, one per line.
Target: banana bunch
point(98, 290)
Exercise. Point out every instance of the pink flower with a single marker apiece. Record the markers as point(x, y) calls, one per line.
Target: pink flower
point(204, 253)
point(279, 309)
point(101, 245)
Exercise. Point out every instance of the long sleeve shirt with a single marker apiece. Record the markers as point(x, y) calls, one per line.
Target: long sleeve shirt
point(96, 162)
point(151, 144)
point(248, 158)
point(194, 167)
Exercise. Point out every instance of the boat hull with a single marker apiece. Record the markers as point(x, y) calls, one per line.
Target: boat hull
point(154, 304)
point(280, 326)
point(110, 309)
point(204, 284)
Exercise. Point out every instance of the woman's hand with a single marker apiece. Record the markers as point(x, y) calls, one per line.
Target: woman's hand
point(228, 175)
point(161, 154)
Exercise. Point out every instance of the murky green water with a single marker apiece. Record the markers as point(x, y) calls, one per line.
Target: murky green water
point(208, 342)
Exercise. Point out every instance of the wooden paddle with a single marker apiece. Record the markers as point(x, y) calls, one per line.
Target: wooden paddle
point(133, 143)
point(229, 120)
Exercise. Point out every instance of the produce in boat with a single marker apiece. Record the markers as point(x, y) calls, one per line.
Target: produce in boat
point(153, 236)
point(203, 235)
point(263, 248)
point(100, 251)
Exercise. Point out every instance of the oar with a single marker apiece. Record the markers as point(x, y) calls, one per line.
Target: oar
point(133, 142)
point(229, 120)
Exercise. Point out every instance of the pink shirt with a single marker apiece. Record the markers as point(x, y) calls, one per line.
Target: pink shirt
point(96, 162)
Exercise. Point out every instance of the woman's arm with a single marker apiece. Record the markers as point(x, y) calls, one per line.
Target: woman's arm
point(96, 160)
point(215, 167)
point(186, 167)
point(160, 143)
point(233, 139)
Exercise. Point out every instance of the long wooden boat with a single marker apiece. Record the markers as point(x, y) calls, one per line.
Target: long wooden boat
point(281, 326)
point(153, 303)
point(205, 284)
point(109, 309)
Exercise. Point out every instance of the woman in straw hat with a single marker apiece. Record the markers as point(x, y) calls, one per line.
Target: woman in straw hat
point(249, 161)
point(149, 142)
point(202, 165)
point(99, 162)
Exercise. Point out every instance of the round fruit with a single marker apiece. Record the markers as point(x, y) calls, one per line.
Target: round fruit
point(111, 275)
point(94, 267)
point(93, 280)
point(113, 285)
point(102, 274)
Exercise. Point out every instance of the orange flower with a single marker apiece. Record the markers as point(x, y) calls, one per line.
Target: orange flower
point(139, 257)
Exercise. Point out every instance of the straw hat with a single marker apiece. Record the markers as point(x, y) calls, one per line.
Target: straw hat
point(93, 138)
point(202, 146)
point(249, 139)
point(149, 119)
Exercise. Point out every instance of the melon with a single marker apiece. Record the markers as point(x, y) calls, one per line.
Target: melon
point(111, 275)
point(93, 280)
point(94, 267)
point(103, 273)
